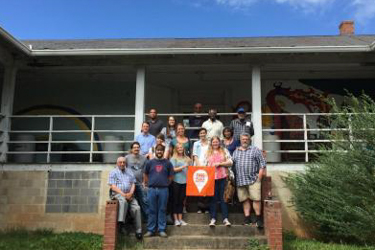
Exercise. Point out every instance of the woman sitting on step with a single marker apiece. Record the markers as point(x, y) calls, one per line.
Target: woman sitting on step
point(180, 162)
point(218, 157)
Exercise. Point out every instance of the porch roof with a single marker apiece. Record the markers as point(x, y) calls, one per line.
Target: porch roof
point(172, 43)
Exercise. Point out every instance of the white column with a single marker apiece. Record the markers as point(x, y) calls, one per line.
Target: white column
point(257, 107)
point(7, 98)
point(139, 100)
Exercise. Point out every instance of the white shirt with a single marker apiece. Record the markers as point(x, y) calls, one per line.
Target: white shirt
point(213, 128)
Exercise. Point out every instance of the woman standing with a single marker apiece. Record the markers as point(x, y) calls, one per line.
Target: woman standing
point(199, 155)
point(218, 157)
point(159, 141)
point(229, 142)
point(169, 131)
point(180, 138)
point(180, 162)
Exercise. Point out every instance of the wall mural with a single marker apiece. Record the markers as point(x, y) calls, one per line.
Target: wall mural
point(311, 99)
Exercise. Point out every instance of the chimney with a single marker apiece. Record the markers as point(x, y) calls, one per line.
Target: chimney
point(346, 28)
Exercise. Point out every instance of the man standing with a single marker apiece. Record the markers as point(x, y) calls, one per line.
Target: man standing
point(196, 120)
point(250, 167)
point(241, 125)
point(122, 183)
point(156, 124)
point(145, 139)
point(213, 126)
point(158, 175)
point(137, 163)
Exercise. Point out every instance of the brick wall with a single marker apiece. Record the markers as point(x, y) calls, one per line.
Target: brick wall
point(45, 199)
point(110, 225)
point(73, 191)
point(273, 224)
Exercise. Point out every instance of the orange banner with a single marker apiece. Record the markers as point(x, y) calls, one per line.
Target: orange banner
point(200, 181)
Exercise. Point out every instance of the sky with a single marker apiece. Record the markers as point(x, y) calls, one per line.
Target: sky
point(90, 19)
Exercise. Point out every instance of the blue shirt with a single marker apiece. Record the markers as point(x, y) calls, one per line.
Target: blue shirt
point(146, 141)
point(231, 147)
point(248, 162)
point(180, 177)
point(123, 179)
point(158, 171)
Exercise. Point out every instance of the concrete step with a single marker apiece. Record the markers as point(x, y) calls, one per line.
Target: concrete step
point(199, 242)
point(204, 219)
point(219, 230)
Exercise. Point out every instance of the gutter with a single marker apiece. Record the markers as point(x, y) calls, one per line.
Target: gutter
point(372, 46)
point(20, 46)
point(182, 51)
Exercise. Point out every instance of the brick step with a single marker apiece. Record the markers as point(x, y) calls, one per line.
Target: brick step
point(199, 242)
point(204, 219)
point(219, 230)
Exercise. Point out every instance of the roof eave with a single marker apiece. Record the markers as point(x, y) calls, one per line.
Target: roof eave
point(174, 51)
point(16, 43)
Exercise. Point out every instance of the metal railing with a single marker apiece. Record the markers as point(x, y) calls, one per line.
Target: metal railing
point(53, 136)
point(293, 137)
point(306, 138)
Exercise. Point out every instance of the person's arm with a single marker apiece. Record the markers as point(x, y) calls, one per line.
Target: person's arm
point(145, 180)
point(117, 190)
point(196, 160)
point(129, 195)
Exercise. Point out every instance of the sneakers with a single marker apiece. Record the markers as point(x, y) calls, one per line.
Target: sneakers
point(226, 222)
point(148, 234)
point(212, 223)
point(183, 223)
point(163, 234)
point(259, 222)
point(199, 211)
point(177, 223)
point(138, 236)
point(247, 220)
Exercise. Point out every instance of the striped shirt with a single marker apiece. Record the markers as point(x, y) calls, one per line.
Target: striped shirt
point(248, 162)
point(121, 179)
point(241, 127)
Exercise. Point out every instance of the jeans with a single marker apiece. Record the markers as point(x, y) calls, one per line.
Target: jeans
point(219, 197)
point(157, 207)
point(179, 194)
point(141, 196)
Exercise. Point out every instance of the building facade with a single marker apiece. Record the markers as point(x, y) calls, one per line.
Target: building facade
point(70, 107)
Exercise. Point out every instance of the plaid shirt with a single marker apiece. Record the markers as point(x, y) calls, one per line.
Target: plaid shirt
point(121, 179)
point(248, 162)
point(239, 128)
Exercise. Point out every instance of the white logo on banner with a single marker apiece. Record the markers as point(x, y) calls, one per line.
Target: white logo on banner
point(200, 178)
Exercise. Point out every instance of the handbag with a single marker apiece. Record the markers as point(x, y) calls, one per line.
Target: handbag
point(229, 188)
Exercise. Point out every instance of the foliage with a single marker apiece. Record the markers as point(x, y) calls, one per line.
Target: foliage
point(336, 193)
point(40, 239)
point(128, 242)
point(254, 244)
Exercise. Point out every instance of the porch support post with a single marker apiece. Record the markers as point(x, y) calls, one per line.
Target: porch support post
point(7, 99)
point(139, 99)
point(257, 107)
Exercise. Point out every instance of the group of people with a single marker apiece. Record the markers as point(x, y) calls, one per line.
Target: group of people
point(150, 182)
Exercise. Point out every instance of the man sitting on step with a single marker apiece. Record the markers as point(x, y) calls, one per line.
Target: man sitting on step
point(122, 183)
point(250, 167)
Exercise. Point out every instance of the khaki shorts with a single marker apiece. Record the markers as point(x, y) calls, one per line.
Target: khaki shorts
point(252, 192)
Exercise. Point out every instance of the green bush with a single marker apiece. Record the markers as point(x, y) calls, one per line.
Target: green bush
point(336, 193)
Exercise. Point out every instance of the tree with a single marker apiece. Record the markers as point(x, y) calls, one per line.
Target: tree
point(336, 193)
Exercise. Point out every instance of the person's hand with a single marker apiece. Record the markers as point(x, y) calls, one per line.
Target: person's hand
point(128, 196)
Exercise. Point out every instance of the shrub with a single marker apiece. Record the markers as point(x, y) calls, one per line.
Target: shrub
point(336, 193)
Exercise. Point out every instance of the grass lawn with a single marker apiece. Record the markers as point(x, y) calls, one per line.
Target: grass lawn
point(46, 239)
point(293, 243)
